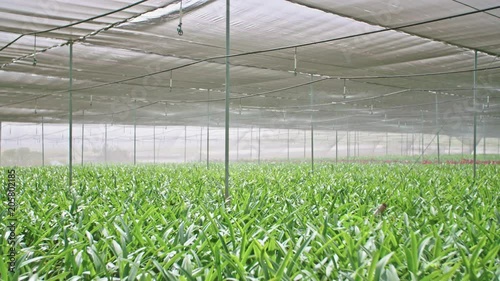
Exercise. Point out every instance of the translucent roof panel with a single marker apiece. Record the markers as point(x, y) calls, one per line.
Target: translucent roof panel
point(370, 64)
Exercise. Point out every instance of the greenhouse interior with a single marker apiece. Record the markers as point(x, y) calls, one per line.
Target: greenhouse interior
point(250, 140)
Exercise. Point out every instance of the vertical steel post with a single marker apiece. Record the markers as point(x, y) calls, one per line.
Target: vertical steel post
point(311, 102)
point(402, 139)
point(251, 142)
point(386, 143)
point(449, 144)
point(70, 174)
point(288, 145)
point(475, 114)
point(422, 137)
point(43, 142)
point(135, 132)
point(305, 144)
point(185, 143)
point(105, 142)
point(258, 156)
point(201, 140)
point(83, 133)
point(336, 146)
point(462, 146)
point(1, 143)
point(437, 133)
point(484, 141)
point(208, 128)
point(348, 148)
point(228, 80)
point(154, 143)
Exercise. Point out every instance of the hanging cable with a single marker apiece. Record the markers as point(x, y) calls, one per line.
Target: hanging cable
point(295, 62)
point(345, 90)
point(179, 27)
point(34, 52)
point(171, 81)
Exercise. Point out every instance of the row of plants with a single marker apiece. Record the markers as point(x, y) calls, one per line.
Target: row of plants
point(169, 222)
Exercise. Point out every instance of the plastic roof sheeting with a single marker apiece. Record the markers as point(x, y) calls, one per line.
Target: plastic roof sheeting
point(133, 60)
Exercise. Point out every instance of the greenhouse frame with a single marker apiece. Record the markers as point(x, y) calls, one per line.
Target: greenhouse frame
point(350, 123)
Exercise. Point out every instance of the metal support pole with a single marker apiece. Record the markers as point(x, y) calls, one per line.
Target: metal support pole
point(475, 114)
point(154, 144)
point(185, 143)
point(43, 142)
point(336, 146)
point(311, 102)
point(402, 139)
point(412, 143)
point(357, 144)
point(1, 143)
point(258, 156)
point(208, 128)
point(135, 132)
point(251, 142)
point(347, 142)
point(228, 80)
point(105, 142)
point(484, 141)
point(449, 145)
point(437, 133)
point(201, 140)
point(422, 137)
point(462, 146)
point(288, 145)
point(83, 133)
point(305, 144)
point(312, 147)
point(422, 141)
point(386, 143)
point(70, 175)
